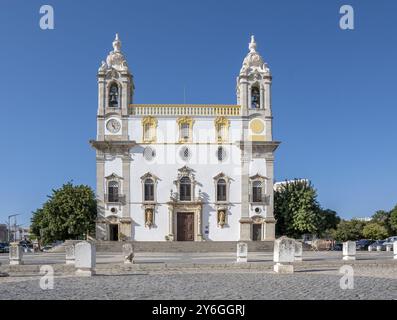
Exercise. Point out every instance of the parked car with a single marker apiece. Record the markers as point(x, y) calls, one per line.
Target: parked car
point(390, 241)
point(338, 246)
point(373, 246)
point(4, 248)
point(363, 244)
point(46, 248)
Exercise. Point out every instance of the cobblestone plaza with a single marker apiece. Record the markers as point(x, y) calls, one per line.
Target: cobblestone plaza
point(208, 276)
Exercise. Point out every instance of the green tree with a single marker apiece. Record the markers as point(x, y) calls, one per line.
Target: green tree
point(69, 213)
point(382, 218)
point(375, 231)
point(296, 209)
point(393, 220)
point(329, 221)
point(349, 230)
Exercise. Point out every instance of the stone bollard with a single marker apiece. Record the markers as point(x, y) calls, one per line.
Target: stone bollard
point(298, 250)
point(242, 252)
point(16, 254)
point(85, 258)
point(70, 256)
point(349, 250)
point(284, 255)
point(378, 248)
point(395, 249)
point(369, 248)
point(389, 247)
point(128, 253)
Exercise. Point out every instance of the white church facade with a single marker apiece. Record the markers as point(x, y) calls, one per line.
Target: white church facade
point(184, 172)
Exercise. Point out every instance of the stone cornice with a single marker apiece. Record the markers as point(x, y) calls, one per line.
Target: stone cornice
point(266, 146)
point(113, 146)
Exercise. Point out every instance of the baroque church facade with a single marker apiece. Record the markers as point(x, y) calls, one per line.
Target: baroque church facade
point(184, 172)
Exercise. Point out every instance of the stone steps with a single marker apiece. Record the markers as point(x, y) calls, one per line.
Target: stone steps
point(165, 246)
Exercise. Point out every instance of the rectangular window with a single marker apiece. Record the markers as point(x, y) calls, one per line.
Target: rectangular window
point(149, 192)
point(257, 194)
point(221, 192)
point(185, 194)
point(148, 132)
point(185, 131)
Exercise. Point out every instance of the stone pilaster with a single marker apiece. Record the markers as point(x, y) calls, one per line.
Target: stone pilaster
point(126, 160)
point(101, 230)
point(269, 159)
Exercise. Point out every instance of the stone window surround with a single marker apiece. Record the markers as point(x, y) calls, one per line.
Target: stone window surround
point(185, 171)
point(113, 178)
point(261, 179)
point(155, 179)
point(189, 121)
point(228, 181)
point(152, 122)
point(221, 121)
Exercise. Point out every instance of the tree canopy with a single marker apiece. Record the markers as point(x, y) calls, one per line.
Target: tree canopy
point(298, 212)
point(69, 213)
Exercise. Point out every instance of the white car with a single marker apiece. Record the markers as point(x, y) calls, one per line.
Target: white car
point(390, 241)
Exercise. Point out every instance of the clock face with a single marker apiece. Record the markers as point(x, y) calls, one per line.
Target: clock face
point(113, 126)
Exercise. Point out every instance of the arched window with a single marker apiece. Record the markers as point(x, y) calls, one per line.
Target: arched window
point(255, 98)
point(149, 190)
point(257, 191)
point(221, 190)
point(185, 189)
point(114, 96)
point(113, 191)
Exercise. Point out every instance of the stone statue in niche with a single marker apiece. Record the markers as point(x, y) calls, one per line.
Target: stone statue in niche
point(149, 218)
point(221, 218)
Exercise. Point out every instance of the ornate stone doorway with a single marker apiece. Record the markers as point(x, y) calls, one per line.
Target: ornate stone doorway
point(185, 226)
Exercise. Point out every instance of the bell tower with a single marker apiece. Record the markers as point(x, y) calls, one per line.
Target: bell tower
point(115, 94)
point(253, 91)
point(257, 146)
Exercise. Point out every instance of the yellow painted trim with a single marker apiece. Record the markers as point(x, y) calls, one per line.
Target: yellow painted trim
point(257, 138)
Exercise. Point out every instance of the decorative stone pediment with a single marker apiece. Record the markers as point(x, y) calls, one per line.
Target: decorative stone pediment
point(258, 177)
point(185, 171)
point(113, 176)
point(149, 175)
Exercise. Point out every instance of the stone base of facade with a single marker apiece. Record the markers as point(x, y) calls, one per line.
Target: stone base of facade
point(85, 272)
point(349, 258)
point(283, 268)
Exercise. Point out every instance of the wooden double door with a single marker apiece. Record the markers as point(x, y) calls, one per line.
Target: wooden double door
point(185, 226)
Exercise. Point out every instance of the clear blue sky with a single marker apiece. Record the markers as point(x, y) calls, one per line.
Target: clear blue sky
point(334, 91)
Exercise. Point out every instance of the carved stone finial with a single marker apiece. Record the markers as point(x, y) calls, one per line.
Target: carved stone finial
point(252, 45)
point(116, 44)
